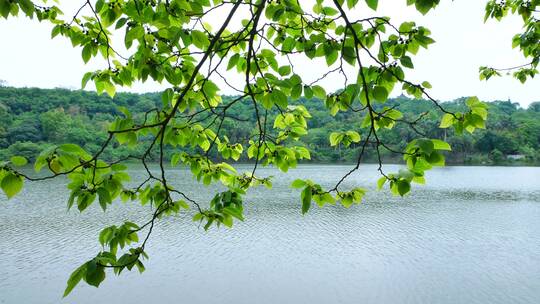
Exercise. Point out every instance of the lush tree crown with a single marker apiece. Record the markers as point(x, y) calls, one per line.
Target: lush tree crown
point(170, 41)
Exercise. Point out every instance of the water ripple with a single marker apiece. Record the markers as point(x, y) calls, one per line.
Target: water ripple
point(470, 236)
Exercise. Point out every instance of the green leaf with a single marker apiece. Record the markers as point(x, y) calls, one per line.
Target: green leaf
point(296, 91)
point(85, 79)
point(227, 221)
point(200, 40)
point(354, 136)
point(331, 57)
point(435, 159)
point(18, 161)
point(298, 183)
point(447, 121)
point(347, 201)
point(75, 278)
point(329, 11)
point(11, 184)
point(95, 274)
point(306, 199)
point(27, 6)
point(109, 88)
point(372, 4)
point(335, 138)
point(318, 92)
point(284, 70)
point(279, 98)
point(233, 61)
point(441, 145)
point(198, 217)
point(136, 32)
point(423, 6)
point(210, 89)
point(87, 53)
point(351, 3)
point(406, 174)
point(380, 93)
point(407, 62)
point(349, 54)
point(308, 92)
point(381, 182)
point(104, 197)
point(288, 45)
point(426, 145)
point(403, 187)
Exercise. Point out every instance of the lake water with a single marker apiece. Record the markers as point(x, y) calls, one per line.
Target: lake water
point(472, 235)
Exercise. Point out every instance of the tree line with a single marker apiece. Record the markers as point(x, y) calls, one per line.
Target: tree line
point(32, 119)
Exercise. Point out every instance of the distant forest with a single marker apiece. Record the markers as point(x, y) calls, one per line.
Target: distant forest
point(32, 119)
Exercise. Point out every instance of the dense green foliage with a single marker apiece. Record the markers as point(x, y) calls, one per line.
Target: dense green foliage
point(173, 42)
point(528, 42)
point(33, 119)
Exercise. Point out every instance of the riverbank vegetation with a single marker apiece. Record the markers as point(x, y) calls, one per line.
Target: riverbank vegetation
point(32, 119)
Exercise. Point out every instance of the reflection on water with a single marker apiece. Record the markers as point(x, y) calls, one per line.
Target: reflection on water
point(472, 235)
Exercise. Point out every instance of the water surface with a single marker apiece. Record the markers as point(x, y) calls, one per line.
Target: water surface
point(472, 235)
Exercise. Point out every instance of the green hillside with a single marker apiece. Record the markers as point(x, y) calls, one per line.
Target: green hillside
point(31, 119)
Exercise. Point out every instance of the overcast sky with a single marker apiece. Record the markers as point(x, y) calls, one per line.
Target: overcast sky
point(28, 57)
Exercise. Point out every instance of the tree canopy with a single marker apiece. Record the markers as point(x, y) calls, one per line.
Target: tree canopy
point(172, 42)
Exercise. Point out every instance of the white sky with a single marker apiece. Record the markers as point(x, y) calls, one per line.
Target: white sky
point(28, 57)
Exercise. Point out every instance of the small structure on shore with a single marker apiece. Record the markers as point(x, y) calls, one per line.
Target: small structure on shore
point(515, 157)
